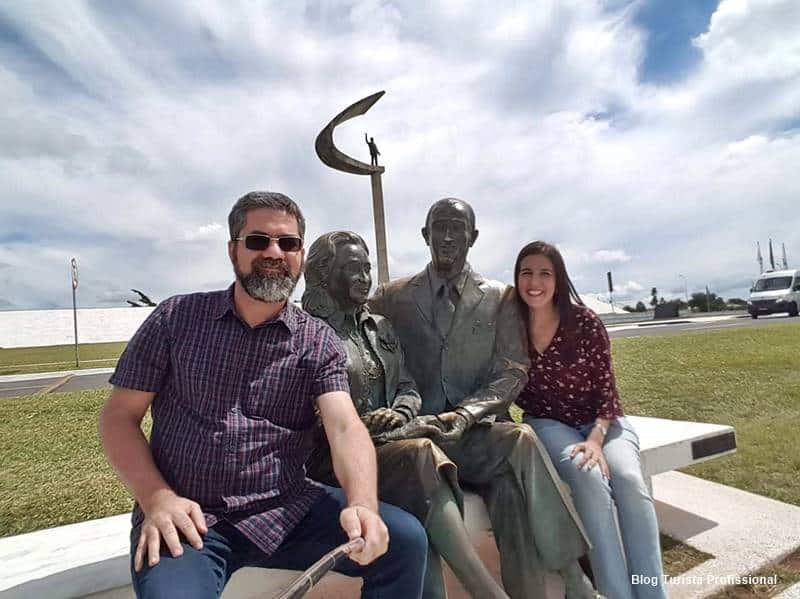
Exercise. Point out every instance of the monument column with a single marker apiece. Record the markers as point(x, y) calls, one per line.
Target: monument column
point(334, 158)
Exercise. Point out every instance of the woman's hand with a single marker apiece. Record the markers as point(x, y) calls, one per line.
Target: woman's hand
point(592, 456)
point(382, 420)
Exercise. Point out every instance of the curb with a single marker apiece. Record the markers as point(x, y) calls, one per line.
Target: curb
point(13, 378)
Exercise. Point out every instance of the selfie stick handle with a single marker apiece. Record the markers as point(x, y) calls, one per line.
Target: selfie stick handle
point(306, 581)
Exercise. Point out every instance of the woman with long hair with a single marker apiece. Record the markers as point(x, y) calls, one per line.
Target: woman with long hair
point(572, 403)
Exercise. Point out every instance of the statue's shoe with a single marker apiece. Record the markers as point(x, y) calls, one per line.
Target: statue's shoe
point(577, 585)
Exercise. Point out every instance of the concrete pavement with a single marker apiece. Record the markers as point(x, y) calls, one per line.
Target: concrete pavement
point(745, 532)
point(793, 592)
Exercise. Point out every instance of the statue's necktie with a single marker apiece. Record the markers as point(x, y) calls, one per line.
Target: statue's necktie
point(445, 308)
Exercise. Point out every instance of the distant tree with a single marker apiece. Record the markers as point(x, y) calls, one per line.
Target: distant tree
point(737, 302)
point(700, 303)
point(639, 307)
point(718, 303)
point(654, 297)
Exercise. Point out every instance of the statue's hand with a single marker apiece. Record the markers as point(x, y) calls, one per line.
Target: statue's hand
point(454, 426)
point(421, 426)
point(382, 420)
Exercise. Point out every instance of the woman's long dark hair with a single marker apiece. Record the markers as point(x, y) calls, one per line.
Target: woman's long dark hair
point(565, 295)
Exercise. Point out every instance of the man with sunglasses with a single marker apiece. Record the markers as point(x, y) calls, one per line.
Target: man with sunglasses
point(234, 380)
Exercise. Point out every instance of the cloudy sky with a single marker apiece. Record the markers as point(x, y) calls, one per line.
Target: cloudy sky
point(653, 139)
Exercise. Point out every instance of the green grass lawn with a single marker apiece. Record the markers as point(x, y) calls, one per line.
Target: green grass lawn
point(748, 378)
point(59, 357)
point(52, 470)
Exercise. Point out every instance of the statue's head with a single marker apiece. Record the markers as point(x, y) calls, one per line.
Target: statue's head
point(337, 274)
point(449, 231)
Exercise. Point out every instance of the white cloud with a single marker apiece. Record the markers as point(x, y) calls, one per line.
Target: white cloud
point(759, 37)
point(213, 231)
point(607, 257)
point(624, 291)
point(138, 131)
point(628, 289)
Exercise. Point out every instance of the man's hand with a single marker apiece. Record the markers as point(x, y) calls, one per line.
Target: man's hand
point(455, 424)
point(359, 521)
point(382, 420)
point(165, 514)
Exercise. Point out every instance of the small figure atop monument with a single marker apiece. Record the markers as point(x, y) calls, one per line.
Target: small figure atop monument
point(373, 150)
point(334, 158)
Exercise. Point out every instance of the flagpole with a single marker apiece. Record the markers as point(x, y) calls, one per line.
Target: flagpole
point(759, 258)
point(771, 256)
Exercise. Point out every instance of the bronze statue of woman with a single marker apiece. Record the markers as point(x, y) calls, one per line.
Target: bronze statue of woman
point(413, 473)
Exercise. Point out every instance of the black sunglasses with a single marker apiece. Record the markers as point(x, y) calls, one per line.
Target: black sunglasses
point(258, 242)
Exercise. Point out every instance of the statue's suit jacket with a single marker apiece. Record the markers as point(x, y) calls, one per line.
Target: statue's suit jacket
point(481, 364)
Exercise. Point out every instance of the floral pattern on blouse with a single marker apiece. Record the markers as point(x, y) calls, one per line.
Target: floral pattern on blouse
point(574, 392)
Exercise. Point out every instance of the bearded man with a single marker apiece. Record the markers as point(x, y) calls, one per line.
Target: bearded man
point(234, 379)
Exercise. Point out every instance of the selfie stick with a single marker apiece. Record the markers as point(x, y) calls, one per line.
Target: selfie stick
point(306, 581)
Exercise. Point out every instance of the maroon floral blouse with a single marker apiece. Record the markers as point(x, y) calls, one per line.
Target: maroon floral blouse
point(574, 391)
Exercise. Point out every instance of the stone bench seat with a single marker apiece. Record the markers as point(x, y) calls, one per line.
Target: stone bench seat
point(90, 559)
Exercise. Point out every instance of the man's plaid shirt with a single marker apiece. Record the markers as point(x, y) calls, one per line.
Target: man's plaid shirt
point(234, 412)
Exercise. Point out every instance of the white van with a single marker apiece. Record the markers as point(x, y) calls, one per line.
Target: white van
point(775, 291)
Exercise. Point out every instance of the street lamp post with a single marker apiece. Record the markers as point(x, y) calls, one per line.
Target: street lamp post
point(685, 290)
point(74, 271)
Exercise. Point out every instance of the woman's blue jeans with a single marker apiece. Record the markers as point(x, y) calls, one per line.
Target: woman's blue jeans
point(624, 568)
point(398, 574)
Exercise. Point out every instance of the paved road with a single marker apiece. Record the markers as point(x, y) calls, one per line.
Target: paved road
point(685, 325)
point(98, 378)
point(27, 387)
point(95, 378)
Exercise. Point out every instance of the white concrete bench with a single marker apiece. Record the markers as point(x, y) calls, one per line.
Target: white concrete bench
point(91, 558)
point(671, 444)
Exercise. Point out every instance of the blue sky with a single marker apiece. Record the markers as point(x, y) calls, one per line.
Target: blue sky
point(670, 55)
point(651, 139)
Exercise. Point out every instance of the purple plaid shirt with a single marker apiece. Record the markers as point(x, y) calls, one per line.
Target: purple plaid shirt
point(233, 415)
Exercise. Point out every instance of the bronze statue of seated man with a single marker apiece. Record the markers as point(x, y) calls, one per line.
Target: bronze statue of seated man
point(467, 351)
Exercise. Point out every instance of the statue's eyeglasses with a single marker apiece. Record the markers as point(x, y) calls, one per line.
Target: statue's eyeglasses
point(258, 242)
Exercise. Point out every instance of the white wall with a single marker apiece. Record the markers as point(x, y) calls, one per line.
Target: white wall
point(31, 328)
point(598, 304)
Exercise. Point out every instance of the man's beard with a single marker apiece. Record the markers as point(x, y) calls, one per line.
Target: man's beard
point(267, 286)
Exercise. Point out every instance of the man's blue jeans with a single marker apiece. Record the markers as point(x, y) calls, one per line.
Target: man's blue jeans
point(597, 500)
point(398, 574)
